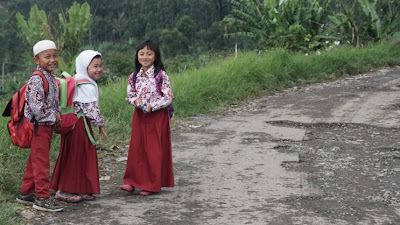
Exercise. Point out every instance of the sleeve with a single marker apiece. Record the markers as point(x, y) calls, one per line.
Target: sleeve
point(166, 97)
point(92, 112)
point(132, 94)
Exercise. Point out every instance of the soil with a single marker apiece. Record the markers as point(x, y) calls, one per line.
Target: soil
point(318, 154)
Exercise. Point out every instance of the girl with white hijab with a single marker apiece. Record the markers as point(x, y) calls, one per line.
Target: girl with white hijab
point(75, 177)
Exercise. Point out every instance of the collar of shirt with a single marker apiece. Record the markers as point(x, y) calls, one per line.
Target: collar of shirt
point(45, 72)
point(148, 73)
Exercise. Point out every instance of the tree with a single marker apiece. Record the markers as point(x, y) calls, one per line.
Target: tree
point(373, 22)
point(69, 37)
point(36, 28)
point(119, 25)
point(187, 26)
point(173, 42)
point(283, 22)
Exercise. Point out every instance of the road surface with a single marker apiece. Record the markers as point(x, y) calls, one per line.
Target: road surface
point(319, 154)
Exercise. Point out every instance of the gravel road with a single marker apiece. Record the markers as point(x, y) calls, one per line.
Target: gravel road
point(319, 154)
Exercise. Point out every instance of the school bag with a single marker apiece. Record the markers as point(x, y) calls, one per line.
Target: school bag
point(67, 86)
point(159, 80)
point(19, 127)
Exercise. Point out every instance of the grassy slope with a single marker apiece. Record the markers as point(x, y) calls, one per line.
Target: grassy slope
point(228, 81)
point(204, 90)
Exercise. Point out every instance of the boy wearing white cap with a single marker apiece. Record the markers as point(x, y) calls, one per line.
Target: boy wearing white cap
point(44, 111)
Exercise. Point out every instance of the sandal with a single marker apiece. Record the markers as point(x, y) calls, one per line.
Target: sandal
point(127, 187)
point(87, 197)
point(67, 197)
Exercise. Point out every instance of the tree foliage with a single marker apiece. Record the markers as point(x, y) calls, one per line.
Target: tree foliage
point(36, 28)
point(293, 24)
point(69, 36)
point(193, 28)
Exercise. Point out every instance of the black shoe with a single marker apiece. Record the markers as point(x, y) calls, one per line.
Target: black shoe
point(46, 204)
point(25, 199)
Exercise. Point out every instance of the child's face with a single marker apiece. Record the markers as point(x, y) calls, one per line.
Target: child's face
point(146, 58)
point(48, 60)
point(95, 69)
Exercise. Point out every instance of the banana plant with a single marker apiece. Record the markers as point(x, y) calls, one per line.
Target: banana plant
point(279, 23)
point(369, 25)
point(373, 21)
point(74, 27)
point(36, 28)
point(379, 27)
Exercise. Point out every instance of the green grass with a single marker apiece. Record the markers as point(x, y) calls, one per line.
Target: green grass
point(204, 90)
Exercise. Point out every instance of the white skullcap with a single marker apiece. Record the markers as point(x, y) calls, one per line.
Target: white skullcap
point(43, 46)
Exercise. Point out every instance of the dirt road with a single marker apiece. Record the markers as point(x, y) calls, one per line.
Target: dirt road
point(317, 155)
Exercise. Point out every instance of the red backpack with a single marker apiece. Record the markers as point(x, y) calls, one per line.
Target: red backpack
point(19, 127)
point(67, 86)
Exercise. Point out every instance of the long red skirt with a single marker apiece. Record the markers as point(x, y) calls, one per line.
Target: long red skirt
point(76, 169)
point(149, 166)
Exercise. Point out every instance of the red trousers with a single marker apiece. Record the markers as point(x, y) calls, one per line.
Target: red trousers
point(36, 177)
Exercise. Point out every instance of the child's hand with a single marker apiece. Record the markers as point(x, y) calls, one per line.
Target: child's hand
point(58, 118)
point(148, 108)
point(138, 103)
point(102, 132)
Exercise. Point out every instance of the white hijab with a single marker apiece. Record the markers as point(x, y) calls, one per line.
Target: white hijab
point(85, 93)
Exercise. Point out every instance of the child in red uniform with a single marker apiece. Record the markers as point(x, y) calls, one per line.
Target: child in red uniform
point(149, 165)
point(76, 175)
point(44, 110)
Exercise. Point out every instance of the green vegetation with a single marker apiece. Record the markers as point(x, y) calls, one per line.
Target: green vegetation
point(304, 25)
point(186, 30)
point(71, 33)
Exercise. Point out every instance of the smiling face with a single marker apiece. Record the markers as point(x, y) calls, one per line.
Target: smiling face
point(95, 68)
point(146, 58)
point(47, 59)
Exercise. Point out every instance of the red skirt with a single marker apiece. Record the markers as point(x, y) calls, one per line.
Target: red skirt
point(149, 165)
point(76, 169)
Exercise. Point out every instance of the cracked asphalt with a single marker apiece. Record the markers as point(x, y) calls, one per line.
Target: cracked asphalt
point(317, 154)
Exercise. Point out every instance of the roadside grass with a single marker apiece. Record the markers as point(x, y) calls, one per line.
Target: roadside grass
point(209, 89)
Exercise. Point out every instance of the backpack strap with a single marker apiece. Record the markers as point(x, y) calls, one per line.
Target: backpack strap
point(80, 114)
point(83, 81)
point(134, 78)
point(46, 93)
point(159, 80)
point(45, 82)
point(65, 74)
point(63, 92)
point(91, 138)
